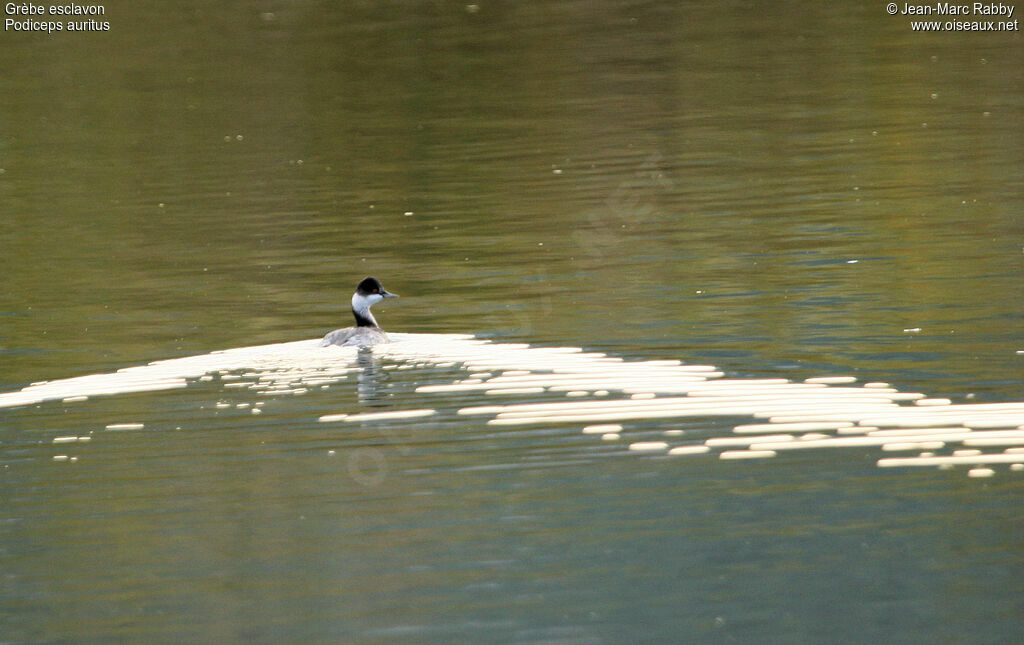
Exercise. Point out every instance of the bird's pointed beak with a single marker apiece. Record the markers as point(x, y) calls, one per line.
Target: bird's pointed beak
point(388, 294)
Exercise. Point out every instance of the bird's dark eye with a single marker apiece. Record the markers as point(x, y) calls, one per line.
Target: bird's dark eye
point(376, 290)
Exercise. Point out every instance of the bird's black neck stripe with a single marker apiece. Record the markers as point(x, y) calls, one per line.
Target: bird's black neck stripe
point(364, 320)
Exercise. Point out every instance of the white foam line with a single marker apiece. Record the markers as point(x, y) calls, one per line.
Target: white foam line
point(988, 434)
point(615, 383)
point(800, 402)
point(898, 416)
point(479, 410)
point(532, 409)
point(613, 405)
point(767, 404)
point(966, 419)
point(648, 446)
point(585, 418)
point(514, 390)
point(994, 441)
point(463, 387)
point(980, 472)
point(994, 422)
point(398, 336)
point(998, 458)
point(848, 430)
point(912, 445)
point(126, 426)
point(875, 440)
point(791, 427)
point(622, 415)
point(603, 428)
point(912, 432)
point(384, 416)
point(627, 385)
point(746, 454)
point(932, 402)
point(619, 409)
point(313, 382)
point(821, 414)
point(754, 382)
point(711, 387)
point(330, 418)
point(600, 374)
point(689, 450)
point(726, 387)
point(815, 444)
point(661, 389)
point(971, 408)
point(832, 379)
point(907, 396)
point(783, 409)
point(719, 442)
point(166, 374)
point(722, 389)
point(768, 385)
point(565, 382)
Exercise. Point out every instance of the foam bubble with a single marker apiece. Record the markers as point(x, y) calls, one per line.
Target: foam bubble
point(602, 428)
point(831, 380)
point(126, 426)
point(648, 445)
point(689, 450)
point(387, 416)
point(747, 454)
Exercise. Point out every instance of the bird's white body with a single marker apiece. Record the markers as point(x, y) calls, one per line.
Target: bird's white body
point(355, 337)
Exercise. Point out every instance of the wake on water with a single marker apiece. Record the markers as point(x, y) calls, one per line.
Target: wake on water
point(601, 393)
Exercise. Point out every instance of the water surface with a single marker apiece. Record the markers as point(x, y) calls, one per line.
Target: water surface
point(781, 193)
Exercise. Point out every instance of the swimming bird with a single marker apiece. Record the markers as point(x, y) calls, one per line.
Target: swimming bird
point(366, 332)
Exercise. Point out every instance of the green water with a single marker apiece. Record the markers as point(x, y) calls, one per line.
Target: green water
point(780, 191)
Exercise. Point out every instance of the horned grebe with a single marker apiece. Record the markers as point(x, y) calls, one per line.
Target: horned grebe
point(366, 332)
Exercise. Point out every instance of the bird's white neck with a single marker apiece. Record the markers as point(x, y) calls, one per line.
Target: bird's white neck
point(361, 310)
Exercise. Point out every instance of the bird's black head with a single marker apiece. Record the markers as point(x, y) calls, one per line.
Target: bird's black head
point(371, 286)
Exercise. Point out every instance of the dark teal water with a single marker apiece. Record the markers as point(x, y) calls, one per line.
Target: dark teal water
point(780, 191)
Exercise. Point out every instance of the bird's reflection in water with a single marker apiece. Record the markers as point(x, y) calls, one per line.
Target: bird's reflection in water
point(371, 378)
